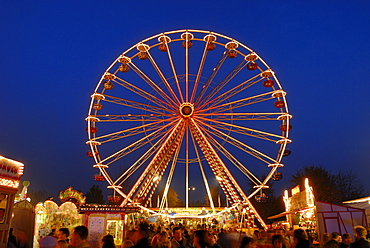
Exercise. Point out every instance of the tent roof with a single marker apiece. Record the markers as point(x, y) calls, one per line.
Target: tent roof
point(363, 199)
point(362, 205)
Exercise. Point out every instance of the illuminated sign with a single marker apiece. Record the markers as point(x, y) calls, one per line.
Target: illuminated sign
point(70, 194)
point(10, 169)
point(295, 190)
point(9, 183)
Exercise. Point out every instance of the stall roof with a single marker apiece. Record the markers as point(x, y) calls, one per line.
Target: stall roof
point(363, 203)
point(278, 215)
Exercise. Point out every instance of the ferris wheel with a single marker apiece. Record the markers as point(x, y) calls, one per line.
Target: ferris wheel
point(188, 106)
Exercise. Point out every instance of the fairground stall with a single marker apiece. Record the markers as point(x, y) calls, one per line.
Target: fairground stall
point(24, 219)
point(10, 173)
point(50, 216)
point(303, 211)
point(106, 219)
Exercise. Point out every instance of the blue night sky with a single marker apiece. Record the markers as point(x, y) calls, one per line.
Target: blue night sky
point(53, 54)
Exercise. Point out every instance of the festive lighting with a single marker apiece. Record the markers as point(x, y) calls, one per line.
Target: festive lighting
point(9, 183)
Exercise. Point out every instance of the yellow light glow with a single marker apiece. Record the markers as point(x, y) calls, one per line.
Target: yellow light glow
point(9, 183)
point(295, 190)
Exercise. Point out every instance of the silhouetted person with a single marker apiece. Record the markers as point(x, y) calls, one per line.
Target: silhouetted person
point(360, 235)
point(79, 237)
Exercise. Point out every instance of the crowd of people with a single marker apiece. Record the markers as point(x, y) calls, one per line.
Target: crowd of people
point(178, 236)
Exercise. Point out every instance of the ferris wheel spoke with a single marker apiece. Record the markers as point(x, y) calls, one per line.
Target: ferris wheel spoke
point(152, 84)
point(142, 93)
point(245, 116)
point(239, 103)
point(174, 71)
point(232, 92)
point(132, 118)
point(244, 130)
point(142, 129)
point(210, 78)
point(135, 105)
point(223, 82)
point(237, 143)
point(200, 70)
point(187, 41)
point(137, 144)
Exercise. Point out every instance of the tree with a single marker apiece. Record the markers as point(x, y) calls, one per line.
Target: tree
point(349, 186)
point(95, 195)
point(216, 196)
point(327, 187)
point(321, 181)
point(172, 198)
point(38, 196)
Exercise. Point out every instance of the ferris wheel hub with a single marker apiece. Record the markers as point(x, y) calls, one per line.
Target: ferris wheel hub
point(186, 109)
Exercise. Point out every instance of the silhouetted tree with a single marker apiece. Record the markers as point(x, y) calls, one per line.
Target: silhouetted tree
point(38, 196)
point(216, 196)
point(321, 181)
point(328, 187)
point(349, 186)
point(172, 198)
point(95, 195)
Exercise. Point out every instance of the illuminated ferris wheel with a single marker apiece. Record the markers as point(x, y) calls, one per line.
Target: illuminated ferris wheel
point(184, 107)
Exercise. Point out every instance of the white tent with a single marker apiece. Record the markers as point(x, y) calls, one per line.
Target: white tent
point(338, 218)
point(362, 203)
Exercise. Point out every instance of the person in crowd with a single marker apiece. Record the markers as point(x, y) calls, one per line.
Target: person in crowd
point(346, 240)
point(12, 239)
point(368, 232)
point(222, 238)
point(325, 237)
point(62, 244)
point(177, 240)
point(334, 242)
point(22, 239)
point(256, 235)
point(248, 242)
point(108, 241)
point(63, 234)
point(127, 244)
point(53, 233)
point(213, 241)
point(163, 241)
point(265, 239)
point(79, 237)
point(155, 237)
point(201, 239)
point(278, 241)
point(301, 239)
point(286, 240)
point(186, 235)
point(360, 236)
point(289, 235)
point(48, 242)
point(140, 239)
